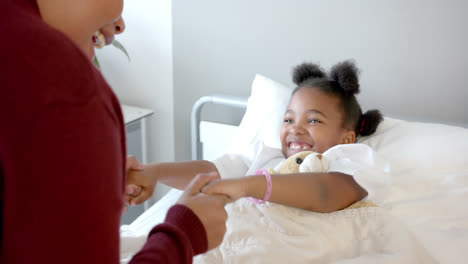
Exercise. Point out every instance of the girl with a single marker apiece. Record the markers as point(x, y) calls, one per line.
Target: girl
point(323, 116)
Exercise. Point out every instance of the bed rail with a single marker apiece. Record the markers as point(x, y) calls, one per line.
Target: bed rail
point(195, 119)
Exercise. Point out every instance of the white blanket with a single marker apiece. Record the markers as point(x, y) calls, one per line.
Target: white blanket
point(426, 212)
point(279, 234)
point(430, 203)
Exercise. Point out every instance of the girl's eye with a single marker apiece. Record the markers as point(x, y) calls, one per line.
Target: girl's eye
point(314, 121)
point(288, 121)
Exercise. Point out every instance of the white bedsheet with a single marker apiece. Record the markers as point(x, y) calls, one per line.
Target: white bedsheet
point(279, 234)
point(434, 206)
point(425, 216)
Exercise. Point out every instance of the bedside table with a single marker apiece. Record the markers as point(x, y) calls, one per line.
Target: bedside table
point(135, 132)
point(135, 121)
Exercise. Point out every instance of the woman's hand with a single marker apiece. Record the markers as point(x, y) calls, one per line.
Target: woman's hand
point(209, 208)
point(233, 188)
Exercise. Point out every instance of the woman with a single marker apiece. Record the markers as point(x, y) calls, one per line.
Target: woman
point(62, 146)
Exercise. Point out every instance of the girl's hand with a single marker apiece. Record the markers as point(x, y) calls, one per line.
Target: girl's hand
point(132, 164)
point(139, 186)
point(233, 188)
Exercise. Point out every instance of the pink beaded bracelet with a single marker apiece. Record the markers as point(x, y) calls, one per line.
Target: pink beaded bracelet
point(268, 189)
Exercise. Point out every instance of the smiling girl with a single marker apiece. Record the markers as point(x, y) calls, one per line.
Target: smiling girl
point(324, 116)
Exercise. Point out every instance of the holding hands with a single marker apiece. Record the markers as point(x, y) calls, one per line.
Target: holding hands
point(204, 194)
point(233, 188)
point(209, 208)
point(140, 184)
point(142, 179)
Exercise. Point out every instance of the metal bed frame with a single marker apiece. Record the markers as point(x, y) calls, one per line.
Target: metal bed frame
point(227, 100)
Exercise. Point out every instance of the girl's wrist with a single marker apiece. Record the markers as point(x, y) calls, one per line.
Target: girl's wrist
point(152, 171)
point(255, 186)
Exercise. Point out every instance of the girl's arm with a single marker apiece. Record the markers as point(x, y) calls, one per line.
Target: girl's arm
point(173, 174)
point(318, 192)
point(178, 174)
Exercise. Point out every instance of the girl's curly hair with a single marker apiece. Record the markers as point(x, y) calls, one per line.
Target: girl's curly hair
point(342, 82)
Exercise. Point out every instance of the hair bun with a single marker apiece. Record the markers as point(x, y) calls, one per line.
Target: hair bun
point(369, 121)
point(307, 71)
point(346, 75)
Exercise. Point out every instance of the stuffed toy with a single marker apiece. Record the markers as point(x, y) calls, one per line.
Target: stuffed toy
point(309, 161)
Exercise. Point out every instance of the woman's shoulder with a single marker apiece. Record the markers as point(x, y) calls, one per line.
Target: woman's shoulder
point(43, 68)
point(41, 60)
point(25, 31)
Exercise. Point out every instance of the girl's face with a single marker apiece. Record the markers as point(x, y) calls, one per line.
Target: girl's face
point(313, 122)
point(79, 20)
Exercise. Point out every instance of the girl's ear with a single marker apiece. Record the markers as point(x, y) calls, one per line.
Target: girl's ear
point(348, 137)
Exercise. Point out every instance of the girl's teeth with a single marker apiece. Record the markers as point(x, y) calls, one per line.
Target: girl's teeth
point(299, 147)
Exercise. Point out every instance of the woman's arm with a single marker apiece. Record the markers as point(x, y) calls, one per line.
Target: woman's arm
point(318, 192)
point(197, 223)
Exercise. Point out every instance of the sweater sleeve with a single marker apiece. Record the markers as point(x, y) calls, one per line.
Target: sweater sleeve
point(177, 240)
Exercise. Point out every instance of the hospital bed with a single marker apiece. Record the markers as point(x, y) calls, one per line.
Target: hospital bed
point(427, 209)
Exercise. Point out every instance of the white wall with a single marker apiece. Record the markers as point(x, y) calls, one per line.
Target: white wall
point(413, 53)
point(146, 81)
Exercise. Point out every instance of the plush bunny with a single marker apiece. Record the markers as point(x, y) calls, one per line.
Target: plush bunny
point(309, 161)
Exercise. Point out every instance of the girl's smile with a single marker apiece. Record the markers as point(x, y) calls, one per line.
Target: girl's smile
point(299, 146)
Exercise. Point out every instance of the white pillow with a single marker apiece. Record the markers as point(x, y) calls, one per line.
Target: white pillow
point(265, 109)
point(426, 146)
